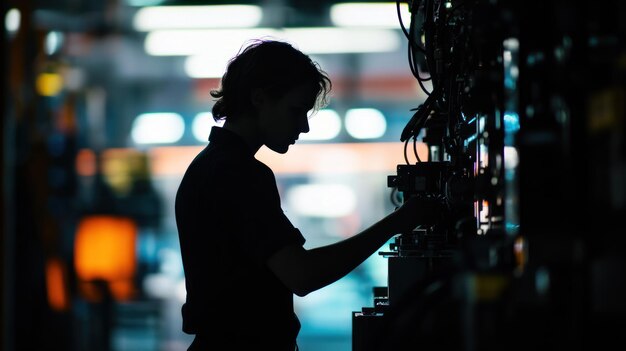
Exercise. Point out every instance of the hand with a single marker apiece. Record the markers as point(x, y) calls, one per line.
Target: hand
point(417, 210)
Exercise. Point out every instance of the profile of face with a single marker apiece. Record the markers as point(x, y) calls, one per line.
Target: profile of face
point(280, 120)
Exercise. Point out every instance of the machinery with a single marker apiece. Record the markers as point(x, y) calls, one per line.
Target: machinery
point(524, 123)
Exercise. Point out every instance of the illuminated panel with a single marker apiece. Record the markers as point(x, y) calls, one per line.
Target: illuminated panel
point(105, 250)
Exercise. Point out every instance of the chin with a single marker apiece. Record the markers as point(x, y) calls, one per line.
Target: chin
point(281, 149)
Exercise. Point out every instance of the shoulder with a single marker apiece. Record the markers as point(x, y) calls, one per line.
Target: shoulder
point(263, 169)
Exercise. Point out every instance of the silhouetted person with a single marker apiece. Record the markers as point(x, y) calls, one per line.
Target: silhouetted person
point(243, 258)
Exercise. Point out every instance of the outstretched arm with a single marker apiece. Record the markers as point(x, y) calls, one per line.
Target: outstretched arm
point(304, 271)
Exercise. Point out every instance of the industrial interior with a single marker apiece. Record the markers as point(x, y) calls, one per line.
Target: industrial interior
point(510, 116)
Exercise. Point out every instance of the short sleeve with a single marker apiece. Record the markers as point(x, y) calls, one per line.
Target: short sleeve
point(259, 222)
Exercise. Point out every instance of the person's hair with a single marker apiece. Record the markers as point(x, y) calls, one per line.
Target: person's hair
point(272, 65)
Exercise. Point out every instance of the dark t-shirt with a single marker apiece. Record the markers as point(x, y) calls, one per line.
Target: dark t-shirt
point(230, 221)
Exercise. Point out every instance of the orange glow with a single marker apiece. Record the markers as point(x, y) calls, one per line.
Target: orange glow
point(519, 250)
point(105, 250)
point(301, 158)
point(93, 291)
point(86, 162)
point(338, 158)
point(56, 282)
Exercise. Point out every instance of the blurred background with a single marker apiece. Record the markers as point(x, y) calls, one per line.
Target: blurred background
point(105, 104)
point(521, 136)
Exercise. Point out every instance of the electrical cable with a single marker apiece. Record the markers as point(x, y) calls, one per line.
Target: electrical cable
point(406, 157)
point(416, 123)
point(415, 72)
point(412, 48)
point(405, 31)
point(413, 61)
point(415, 148)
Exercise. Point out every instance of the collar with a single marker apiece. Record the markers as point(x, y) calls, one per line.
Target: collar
point(230, 140)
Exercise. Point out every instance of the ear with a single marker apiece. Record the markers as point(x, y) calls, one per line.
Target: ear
point(258, 97)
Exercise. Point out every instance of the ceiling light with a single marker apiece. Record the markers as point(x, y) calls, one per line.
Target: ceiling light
point(329, 40)
point(215, 42)
point(212, 65)
point(322, 40)
point(187, 17)
point(377, 14)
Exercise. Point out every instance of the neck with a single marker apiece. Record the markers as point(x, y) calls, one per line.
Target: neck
point(247, 131)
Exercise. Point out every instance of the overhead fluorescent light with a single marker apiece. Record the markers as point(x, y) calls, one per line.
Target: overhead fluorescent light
point(323, 40)
point(207, 66)
point(330, 40)
point(375, 14)
point(188, 17)
point(201, 41)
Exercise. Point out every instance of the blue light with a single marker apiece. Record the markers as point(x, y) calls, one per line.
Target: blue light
point(511, 122)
